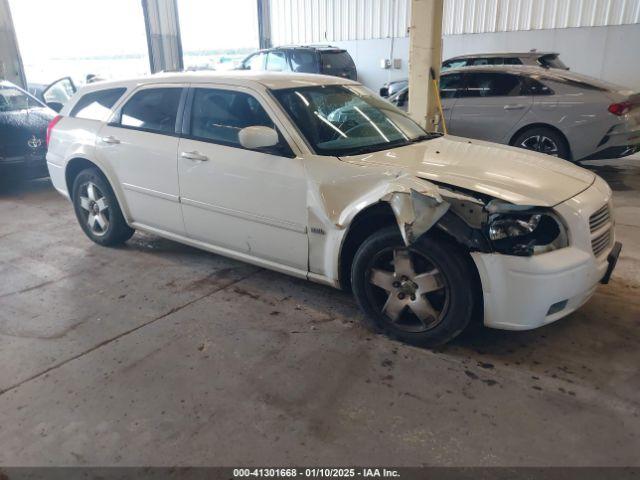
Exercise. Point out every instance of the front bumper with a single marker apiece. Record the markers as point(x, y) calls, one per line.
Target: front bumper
point(522, 293)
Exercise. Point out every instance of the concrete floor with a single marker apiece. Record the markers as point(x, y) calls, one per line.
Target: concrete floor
point(160, 354)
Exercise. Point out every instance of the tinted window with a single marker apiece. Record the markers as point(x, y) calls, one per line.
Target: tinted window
point(535, 87)
point(277, 62)
point(492, 85)
point(451, 85)
point(512, 61)
point(97, 105)
point(304, 61)
point(255, 62)
point(154, 109)
point(219, 115)
point(12, 99)
point(552, 61)
point(339, 60)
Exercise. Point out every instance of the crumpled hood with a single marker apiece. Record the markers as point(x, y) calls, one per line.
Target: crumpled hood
point(508, 173)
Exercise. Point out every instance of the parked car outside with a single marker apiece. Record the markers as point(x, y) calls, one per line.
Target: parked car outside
point(23, 126)
point(319, 178)
point(532, 58)
point(556, 112)
point(323, 59)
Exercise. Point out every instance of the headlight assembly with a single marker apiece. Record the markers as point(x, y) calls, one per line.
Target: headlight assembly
point(526, 233)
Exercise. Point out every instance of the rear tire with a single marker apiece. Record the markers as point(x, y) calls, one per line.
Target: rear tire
point(423, 294)
point(543, 140)
point(97, 209)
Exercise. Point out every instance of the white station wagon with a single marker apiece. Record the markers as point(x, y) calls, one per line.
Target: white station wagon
point(317, 177)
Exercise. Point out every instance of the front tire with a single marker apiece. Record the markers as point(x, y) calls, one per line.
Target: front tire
point(423, 294)
point(543, 140)
point(97, 209)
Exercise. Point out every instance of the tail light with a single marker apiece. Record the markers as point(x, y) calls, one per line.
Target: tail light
point(52, 124)
point(620, 109)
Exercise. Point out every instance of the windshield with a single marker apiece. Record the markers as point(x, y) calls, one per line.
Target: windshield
point(348, 120)
point(13, 99)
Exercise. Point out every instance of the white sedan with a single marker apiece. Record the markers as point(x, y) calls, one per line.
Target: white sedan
point(317, 177)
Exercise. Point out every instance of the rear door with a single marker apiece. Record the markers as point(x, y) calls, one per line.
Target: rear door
point(490, 106)
point(141, 147)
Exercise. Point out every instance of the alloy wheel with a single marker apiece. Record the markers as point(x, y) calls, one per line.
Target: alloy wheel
point(408, 289)
point(95, 208)
point(542, 144)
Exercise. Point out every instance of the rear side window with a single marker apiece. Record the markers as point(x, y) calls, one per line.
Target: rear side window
point(303, 61)
point(485, 84)
point(152, 110)
point(97, 105)
point(219, 115)
point(336, 61)
point(451, 86)
point(277, 62)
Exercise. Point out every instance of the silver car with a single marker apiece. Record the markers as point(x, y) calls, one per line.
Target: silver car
point(556, 112)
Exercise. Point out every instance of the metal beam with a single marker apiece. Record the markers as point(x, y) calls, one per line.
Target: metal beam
point(11, 67)
point(163, 35)
point(264, 23)
point(425, 52)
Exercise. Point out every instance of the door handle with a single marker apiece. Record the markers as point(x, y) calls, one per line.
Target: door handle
point(110, 139)
point(516, 106)
point(194, 156)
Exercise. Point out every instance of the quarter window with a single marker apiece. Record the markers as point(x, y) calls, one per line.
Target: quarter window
point(219, 115)
point(492, 85)
point(97, 105)
point(153, 110)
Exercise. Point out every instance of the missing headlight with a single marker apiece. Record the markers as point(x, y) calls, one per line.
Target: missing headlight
point(526, 234)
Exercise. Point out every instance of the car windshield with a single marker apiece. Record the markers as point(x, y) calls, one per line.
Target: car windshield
point(13, 99)
point(348, 120)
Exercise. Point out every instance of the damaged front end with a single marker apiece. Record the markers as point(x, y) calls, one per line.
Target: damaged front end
point(494, 226)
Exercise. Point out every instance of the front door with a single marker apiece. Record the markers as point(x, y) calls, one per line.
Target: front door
point(141, 146)
point(252, 202)
point(489, 107)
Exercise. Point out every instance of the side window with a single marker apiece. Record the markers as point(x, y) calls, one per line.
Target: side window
point(219, 115)
point(304, 61)
point(255, 62)
point(451, 86)
point(96, 105)
point(454, 64)
point(478, 62)
point(535, 87)
point(154, 110)
point(512, 61)
point(484, 84)
point(277, 62)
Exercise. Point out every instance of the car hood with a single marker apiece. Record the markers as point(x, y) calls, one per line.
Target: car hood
point(508, 173)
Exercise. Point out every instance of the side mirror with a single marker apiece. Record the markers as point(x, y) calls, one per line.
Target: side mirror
point(258, 137)
point(55, 106)
point(384, 92)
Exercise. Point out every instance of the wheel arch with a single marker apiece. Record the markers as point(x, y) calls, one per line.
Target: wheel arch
point(77, 164)
point(542, 125)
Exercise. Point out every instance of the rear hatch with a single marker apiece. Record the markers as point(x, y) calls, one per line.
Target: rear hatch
point(337, 63)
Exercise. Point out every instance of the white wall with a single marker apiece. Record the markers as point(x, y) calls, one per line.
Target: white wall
point(609, 53)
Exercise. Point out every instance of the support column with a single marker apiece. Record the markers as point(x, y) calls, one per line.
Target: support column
point(163, 35)
point(425, 52)
point(11, 67)
point(264, 23)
